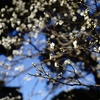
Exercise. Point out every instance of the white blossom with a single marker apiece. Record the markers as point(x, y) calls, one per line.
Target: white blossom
point(83, 28)
point(46, 15)
point(60, 22)
point(74, 18)
point(48, 63)
point(65, 14)
point(56, 64)
point(52, 45)
point(67, 62)
point(33, 64)
point(9, 58)
point(95, 49)
point(75, 44)
point(52, 36)
point(50, 56)
point(99, 48)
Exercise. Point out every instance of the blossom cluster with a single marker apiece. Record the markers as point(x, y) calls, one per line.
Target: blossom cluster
point(72, 37)
point(30, 16)
point(70, 29)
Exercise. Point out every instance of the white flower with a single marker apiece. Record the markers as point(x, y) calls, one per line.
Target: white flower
point(65, 14)
point(96, 49)
point(99, 48)
point(9, 58)
point(54, 0)
point(86, 17)
point(52, 45)
point(74, 18)
point(50, 56)
point(33, 64)
point(56, 64)
point(46, 15)
point(52, 36)
point(60, 22)
point(83, 28)
point(67, 62)
point(75, 44)
point(82, 13)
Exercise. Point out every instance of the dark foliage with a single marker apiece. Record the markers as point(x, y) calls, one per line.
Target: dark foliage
point(79, 94)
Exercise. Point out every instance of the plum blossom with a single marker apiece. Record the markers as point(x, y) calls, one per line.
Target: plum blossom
point(75, 44)
point(56, 64)
point(67, 62)
point(52, 45)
